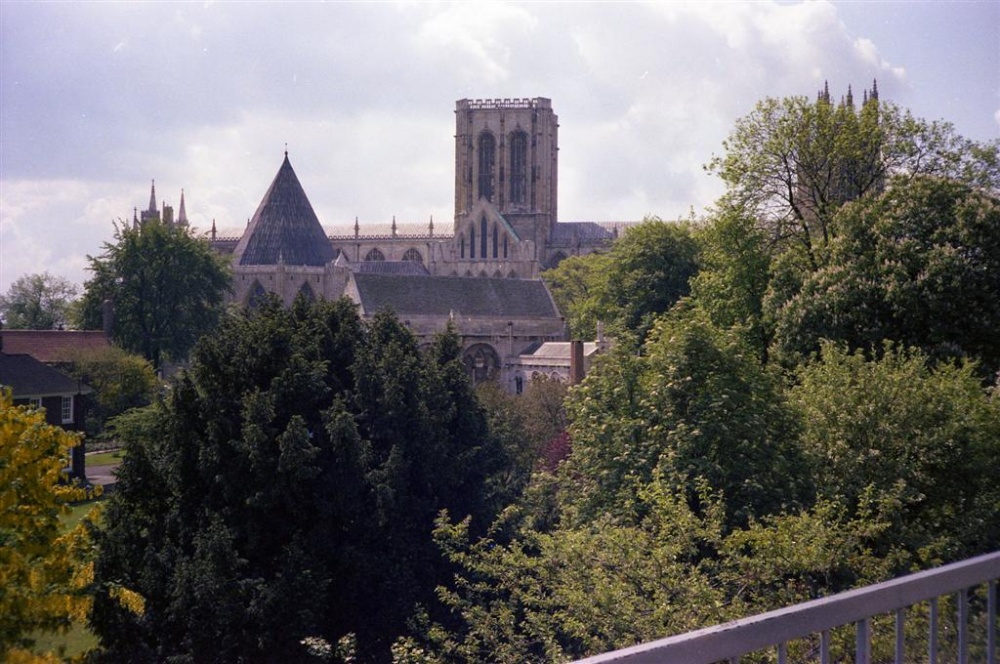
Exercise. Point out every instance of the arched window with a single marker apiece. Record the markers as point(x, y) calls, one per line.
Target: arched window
point(482, 362)
point(307, 292)
point(256, 295)
point(519, 168)
point(472, 243)
point(487, 159)
point(482, 237)
point(374, 255)
point(505, 245)
point(496, 242)
point(413, 256)
point(463, 247)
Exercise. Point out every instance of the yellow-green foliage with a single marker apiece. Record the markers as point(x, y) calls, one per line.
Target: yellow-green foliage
point(44, 571)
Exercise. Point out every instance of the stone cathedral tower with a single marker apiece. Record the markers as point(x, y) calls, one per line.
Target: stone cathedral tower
point(506, 154)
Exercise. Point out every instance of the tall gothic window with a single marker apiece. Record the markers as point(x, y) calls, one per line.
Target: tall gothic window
point(519, 168)
point(505, 246)
point(482, 237)
point(487, 161)
point(496, 242)
point(463, 246)
point(472, 243)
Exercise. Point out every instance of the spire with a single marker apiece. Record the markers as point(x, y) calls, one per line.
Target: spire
point(182, 219)
point(850, 97)
point(431, 226)
point(357, 227)
point(152, 199)
point(135, 217)
point(394, 225)
point(213, 229)
point(874, 94)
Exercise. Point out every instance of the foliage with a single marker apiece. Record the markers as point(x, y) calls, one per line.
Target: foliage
point(166, 286)
point(927, 437)
point(578, 286)
point(286, 489)
point(44, 572)
point(121, 380)
point(733, 276)
point(919, 265)
point(37, 302)
point(644, 274)
point(697, 403)
point(791, 164)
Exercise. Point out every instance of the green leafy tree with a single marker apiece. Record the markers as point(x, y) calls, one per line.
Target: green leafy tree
point(919, 265)
point(927, 437)
point(121, 380)
point(44, 571)
point(285, 492)
point(792, 163)
point(37, 302)
point(578, 285)
point(697, 403)
point(166, 286)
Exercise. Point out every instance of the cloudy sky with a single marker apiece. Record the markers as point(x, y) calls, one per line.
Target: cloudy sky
point(98, 99)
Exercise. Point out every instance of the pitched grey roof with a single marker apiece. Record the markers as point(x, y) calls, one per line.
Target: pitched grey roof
point(401, 268)
point(567, 233)
point(27, 377)
point(284, 226)
point(463, 296)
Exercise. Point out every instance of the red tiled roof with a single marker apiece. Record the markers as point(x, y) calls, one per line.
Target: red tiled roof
point(52, 345)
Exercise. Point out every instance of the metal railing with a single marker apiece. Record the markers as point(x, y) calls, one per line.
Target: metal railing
point(775, 629)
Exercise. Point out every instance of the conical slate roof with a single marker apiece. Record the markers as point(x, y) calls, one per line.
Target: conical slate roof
point(284, 227)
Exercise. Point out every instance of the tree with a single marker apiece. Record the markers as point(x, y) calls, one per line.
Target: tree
point(791, 164)
point(286, 489)
point(928, 438)
point(698, 404)
point(43, 571)
point(578, 285)
point(37, 302)
point(918, 265)
point(121, 380)
point(166, 286)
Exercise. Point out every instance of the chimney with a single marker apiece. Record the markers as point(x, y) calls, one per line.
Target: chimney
point(576, 370)
point(108, 317)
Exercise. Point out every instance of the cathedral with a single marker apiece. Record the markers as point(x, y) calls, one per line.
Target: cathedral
point(481, 275)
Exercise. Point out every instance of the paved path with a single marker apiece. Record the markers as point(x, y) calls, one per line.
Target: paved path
point(103, 475)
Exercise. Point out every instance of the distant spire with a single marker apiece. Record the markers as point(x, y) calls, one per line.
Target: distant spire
point(182, 219)
point(431, 225)
point(152, 198)
point(135, 217)
point(394, 225)
point(874, 94)
point(850, 97)
point(357, 227)
point(213, 229)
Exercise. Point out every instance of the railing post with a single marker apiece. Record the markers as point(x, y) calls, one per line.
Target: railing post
point(991, 623)
point(932, 633)
point(824, 647)
point(963, 627)
point(782, 653)
point(900, 635)
point(863, 646)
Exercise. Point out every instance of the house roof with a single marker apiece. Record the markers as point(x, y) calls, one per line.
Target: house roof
point(461, 296)
point(52, 345)
point(27, 377)
point(284, 228)
point(559, 350)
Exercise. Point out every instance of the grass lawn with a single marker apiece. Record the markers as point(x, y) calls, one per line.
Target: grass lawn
point(105, 458)
point(78, 639)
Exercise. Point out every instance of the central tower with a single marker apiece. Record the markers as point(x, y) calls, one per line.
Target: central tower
point(506, 152)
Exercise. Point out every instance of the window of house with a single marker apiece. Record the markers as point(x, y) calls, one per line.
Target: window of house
point(67, 410)
point(35, 402)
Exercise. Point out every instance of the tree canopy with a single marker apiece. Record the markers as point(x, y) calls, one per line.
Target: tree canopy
point(287, 488)
point(165, 285)
point(37, 302)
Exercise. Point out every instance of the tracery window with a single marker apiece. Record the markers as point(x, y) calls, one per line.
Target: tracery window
point(374, 255)
point(496, 243)
point(413, 256)
point(505, 246)
point(462, 255)
point(472, 243)
point(518, 167)
point(482, 237)
point(487, 161)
